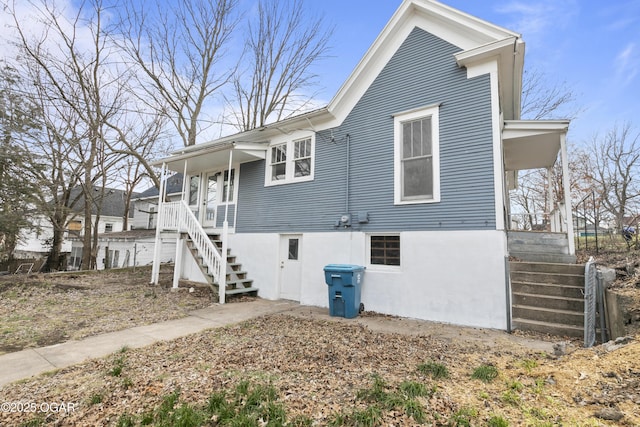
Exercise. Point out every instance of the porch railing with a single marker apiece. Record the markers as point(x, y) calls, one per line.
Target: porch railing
point(177, 216)
point(554, 221)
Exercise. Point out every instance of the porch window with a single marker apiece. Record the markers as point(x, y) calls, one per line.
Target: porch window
point(416, 159)
point(290, 161)
point(384, 249)
point(194, 188)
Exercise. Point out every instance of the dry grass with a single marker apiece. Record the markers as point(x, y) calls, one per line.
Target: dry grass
point(43, 309)
point(324, 372)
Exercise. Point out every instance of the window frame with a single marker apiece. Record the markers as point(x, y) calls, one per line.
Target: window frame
point(383, 267)
point(432, 111)
point(290, 161)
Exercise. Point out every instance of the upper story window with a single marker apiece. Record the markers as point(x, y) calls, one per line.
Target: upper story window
point(290, 161)
point(108, 227)
point(416, 156)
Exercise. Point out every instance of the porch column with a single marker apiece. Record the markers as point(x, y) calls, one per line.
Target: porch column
point(222, 281)
point(184, 181)
point(567, 193)
point(177, 267)
point(550, 201)
point(155, 271)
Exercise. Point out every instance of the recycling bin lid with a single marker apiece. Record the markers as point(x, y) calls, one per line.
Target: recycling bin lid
point(343, 268)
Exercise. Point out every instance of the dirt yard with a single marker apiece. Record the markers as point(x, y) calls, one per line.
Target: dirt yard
point(296, 370)
point(41, 310)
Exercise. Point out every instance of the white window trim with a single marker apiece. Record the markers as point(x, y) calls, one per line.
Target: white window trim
point(290, 168)
point(382, 267)
point(398, 120)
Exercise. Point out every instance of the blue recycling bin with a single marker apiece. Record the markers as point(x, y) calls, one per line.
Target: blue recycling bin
point(345, 284)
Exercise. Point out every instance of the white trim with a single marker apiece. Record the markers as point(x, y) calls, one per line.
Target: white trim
point(432, 110)
point(290, 141)
point(498, 149)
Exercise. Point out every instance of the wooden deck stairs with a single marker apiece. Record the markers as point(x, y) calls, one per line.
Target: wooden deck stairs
point(237, 282)
point(548, 297)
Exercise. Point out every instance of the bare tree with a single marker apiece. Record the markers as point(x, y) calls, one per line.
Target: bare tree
point(543, 99)
point(281, 48)
point(76, 76)
point(19, 119)
point(180, 50)
point(615, 169)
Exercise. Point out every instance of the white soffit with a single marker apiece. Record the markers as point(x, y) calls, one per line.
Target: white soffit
point(532, 144)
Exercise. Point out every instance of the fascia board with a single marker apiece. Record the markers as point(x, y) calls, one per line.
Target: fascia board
point(524, 128)
point(508, 54)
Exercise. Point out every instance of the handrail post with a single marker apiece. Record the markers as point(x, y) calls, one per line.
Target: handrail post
point(155, 271)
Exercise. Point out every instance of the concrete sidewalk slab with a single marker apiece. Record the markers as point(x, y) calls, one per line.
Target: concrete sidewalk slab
point(22, 364)
point(26, 363)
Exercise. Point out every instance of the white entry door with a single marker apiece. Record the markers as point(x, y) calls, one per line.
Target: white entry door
point(290, 266)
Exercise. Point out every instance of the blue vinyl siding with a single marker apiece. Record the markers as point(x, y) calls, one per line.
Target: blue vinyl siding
point(422, 72)
point(230, 215)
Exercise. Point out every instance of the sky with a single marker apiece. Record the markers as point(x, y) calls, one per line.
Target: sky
point(593, 47)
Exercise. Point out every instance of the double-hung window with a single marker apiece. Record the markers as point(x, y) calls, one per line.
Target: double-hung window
point(290, 161)
point(416, 156)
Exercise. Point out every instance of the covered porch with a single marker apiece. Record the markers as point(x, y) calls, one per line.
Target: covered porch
point(538, 234)
point(205, 215)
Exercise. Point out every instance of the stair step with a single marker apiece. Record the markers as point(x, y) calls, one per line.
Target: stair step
point(565, 317)
point(549, 289)
point(546, 267)
point(551, 278)
point(547, 301)
point(547, 327)
point(239, 283)
point(542, 256)
point(240, 291)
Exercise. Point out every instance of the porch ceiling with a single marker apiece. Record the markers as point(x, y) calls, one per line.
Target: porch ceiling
point(532, 144)
point(213, 156)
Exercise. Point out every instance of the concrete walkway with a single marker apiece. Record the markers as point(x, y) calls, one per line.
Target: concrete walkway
point(26, 363)
point(33, 361)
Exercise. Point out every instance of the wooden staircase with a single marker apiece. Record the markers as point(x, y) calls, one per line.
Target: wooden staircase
point(237, 282)
point(548, 298)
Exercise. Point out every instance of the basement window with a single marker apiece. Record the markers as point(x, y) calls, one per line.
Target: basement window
point(384, 250)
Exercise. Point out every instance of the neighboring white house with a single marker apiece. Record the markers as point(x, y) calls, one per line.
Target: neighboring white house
point(36, 243)
point(135, 247)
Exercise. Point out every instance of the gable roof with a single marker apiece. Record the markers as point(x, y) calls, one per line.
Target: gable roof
point(173, 186)
point(480, 43)
point(113, 202)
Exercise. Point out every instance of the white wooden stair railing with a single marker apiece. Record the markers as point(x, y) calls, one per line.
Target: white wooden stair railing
point(179, 217)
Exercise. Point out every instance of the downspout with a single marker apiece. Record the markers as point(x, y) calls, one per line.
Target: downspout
point(155, 272)
point(346, 196)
